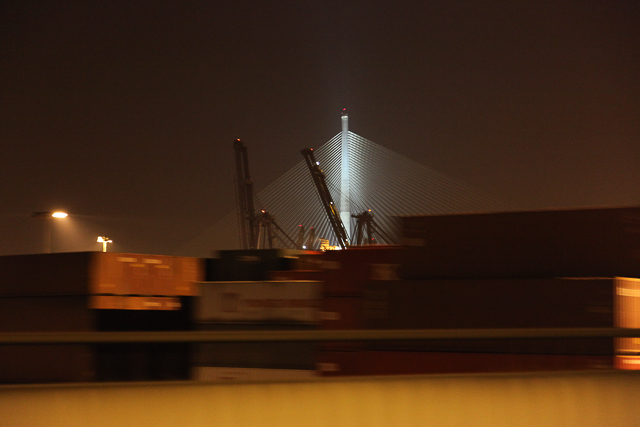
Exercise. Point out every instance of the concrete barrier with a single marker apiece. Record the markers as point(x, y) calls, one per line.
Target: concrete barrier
point(592, 398)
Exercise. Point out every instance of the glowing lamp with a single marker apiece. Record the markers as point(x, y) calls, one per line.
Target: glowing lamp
point(104, 240)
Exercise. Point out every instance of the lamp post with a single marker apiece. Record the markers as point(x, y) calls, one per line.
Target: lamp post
point(47, 218)
point(104, 240)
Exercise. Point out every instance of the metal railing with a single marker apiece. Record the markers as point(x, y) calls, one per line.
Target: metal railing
point(18, 338)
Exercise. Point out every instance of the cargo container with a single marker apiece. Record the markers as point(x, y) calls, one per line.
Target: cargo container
point(73, 363)
point(223, 374)
point(50, 363)
point(358, 363)
point(124, 302)
point(343, 313)
point(347, 272)
point(492, 303)
point(482, 303)
point(253, 264)
point(291, 275)
point(627, 362)
point(142, 361)
point(26, 364)
point(83, 273)
point(628, 316)
point(554, 243)
point(259, 302)
point(209, 357)
point(267, 355)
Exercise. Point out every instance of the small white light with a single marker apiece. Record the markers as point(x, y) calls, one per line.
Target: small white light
point(59, 214)
point(104, 240)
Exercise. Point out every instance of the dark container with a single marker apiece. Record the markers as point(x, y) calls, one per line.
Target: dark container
point(595, 242)
point(46, 363)
point(491, 303)
point(265, 355)
point(345, 363)
point(107, 362)
point(310, 260)
point(255, 264)
point(46, 314)
point(213, 270)
point(142, 361)
point(262, 355)
point(45, 274)
point(83, 273)
point(25, 364)
point(347, 272)
point(478, 304)
point(343, 313)
point(292, 275)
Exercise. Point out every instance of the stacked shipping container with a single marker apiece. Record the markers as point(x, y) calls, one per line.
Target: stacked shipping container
point(95, 291)
point(556, 243)
point(504, 270)
point(246, 300)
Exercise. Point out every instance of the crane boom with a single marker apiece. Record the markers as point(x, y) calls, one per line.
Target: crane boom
point(246, 210)
point(252, 225)
point(325, 197)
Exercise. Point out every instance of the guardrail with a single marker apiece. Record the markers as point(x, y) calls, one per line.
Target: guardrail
point(17, 338)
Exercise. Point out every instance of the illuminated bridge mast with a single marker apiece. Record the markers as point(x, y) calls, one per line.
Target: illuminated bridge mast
point(345, 210)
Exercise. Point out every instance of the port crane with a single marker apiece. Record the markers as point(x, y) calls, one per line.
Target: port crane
point(255, 230)
point(244, 192)
point(365, 229)
point(325, 197)
point(365, 224)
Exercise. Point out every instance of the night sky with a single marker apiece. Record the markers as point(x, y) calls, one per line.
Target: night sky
point(123, 113)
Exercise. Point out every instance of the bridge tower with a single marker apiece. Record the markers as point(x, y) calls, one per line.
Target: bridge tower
point(345, 210)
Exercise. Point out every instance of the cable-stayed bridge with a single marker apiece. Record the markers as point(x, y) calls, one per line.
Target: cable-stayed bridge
point(379, 179)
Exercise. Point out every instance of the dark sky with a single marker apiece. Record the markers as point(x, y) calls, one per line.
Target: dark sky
point(123, 113)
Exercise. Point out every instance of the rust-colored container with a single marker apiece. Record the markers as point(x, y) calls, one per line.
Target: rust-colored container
point(486, 303)
point(347, 272)
point(554, 243)
point(490, 303)
point(349, 363)
point(120, 302)
point(343, 313)
point(309, 261)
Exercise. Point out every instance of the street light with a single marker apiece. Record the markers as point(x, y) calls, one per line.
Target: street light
point(104, 240)
point(47, 218)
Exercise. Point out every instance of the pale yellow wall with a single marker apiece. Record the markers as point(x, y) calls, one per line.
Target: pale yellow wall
point(566, 399)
